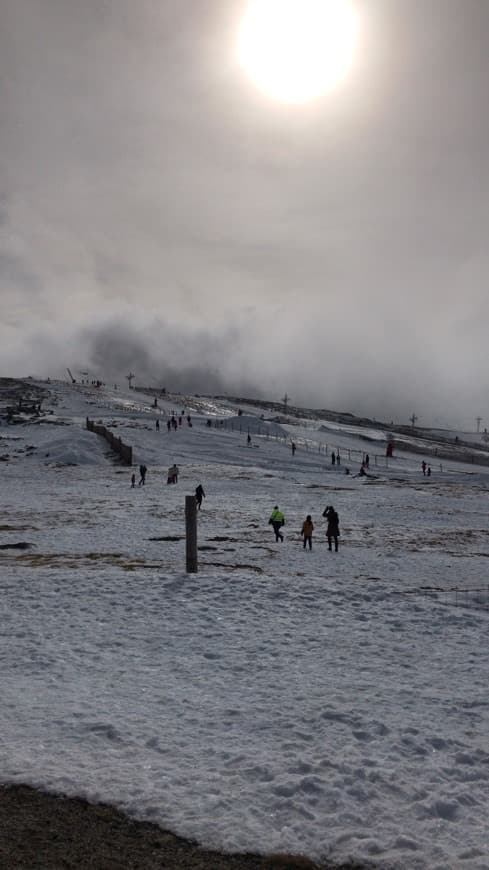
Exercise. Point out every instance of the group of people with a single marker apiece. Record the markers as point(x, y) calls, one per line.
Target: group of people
point(142, 476)
point(174, 423)
point(277, 521)
point(172, 477)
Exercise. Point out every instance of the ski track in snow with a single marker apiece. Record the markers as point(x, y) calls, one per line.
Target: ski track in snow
point(329, 704)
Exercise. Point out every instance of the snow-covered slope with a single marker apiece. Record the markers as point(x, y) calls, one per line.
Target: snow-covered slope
point(329, 704)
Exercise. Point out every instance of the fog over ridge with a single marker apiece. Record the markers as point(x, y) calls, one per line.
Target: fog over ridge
point(159, 215)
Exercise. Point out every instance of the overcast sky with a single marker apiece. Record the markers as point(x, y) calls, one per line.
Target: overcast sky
point(158, 213)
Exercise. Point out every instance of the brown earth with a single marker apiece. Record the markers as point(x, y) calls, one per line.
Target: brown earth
point(53, 832)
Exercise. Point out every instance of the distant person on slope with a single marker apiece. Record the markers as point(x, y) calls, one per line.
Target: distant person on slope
point(173, 474)
point(294, 448)
point(277, 520)
point(133, 480)
point(199, 495)
point(307, 530)
point(333, 528)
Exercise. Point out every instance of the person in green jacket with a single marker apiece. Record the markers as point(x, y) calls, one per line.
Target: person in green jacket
point(277, 520)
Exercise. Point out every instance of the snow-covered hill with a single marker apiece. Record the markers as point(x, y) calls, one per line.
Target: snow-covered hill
point(329, 704)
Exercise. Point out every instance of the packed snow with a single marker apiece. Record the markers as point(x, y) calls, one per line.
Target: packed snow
point(328, 704)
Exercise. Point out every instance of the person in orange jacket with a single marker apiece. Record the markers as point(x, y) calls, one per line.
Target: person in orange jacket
point(307, 530)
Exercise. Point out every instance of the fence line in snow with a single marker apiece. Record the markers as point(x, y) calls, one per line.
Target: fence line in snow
point(351, 454)
point(124, 450)
point(459, 596)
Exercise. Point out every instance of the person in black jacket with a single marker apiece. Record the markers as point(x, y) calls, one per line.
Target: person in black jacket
point(333, 529)
point(199, 495)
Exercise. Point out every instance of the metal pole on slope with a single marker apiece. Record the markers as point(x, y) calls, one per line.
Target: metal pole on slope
point(191, 533)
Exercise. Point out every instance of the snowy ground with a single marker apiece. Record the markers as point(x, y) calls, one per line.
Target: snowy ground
point(279, 700)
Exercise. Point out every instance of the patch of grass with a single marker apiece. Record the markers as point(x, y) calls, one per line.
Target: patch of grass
point(80, 560)
point(329, 488)
point(236, 567)
point(98, 556)
point(284, 861)
point(7, 528)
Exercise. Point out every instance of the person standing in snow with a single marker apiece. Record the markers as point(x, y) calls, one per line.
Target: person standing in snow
point(142, 472)
point(199, 495)
point(133, 480)
point(333, 458)
point(173, 474)
point(277, 520)
point(333, 528)
point(294, 448)
point(307, 530)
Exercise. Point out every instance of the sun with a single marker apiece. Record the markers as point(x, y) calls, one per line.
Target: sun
point(297, 50)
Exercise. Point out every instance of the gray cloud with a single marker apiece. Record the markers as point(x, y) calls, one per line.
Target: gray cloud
point(154, 204)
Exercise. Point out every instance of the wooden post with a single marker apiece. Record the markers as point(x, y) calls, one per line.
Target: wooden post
point(191, 533)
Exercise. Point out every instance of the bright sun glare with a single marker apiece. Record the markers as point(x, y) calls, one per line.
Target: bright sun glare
point(296, 50)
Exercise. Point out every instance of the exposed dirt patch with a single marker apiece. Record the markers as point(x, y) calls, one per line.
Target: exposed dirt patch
point(80, 560)
point(7, 528)
point(238, 567)
point(51, 832)
point(329, 488)
point(19, 545)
